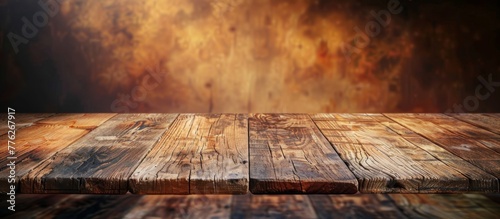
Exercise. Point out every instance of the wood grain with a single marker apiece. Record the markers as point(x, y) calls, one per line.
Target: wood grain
point(272, 206)
point(200, 154)
point(383, 160)
point(288, 154)
point(33, 145)
point(355, 206)
point(486, 121)
point(101, 161)
point(446, 206)
point(462, 139)
point(78, 120)
point(21, 120)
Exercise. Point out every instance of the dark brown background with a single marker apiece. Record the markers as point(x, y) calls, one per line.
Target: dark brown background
point(249, 56)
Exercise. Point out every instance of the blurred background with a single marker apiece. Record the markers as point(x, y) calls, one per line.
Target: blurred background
point(250, 56)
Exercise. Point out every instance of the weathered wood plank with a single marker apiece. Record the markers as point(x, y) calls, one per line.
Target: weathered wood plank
point(288, 154)
point(384, 160)
point(78, 120)
point(443, 126)
point(101, 161)
point(486, 121)
point(355, 206)
point(461, 139)
point(33, 145)
point(479, 180)
point(445, 206)
point(181, 206)
point(272, 206)
point(200, 154)
point(21, 120)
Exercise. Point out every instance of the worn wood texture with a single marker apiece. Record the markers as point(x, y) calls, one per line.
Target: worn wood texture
point(446, 206)
point(181, 206)
point(199, 154)
point(486, 121)
point(101, 161)
point(384, 160)
point(288, 154)
point(78, 120)
point(33, 145)
point(460, 138)
point(272, 206)
point(355, 206)
point(21, 120)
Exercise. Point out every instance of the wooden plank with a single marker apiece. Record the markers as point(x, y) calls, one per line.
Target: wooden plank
point(101, 161)
point(480, 181)
point(444, 206)
point(355, 206)
point(71, 206)
point(21, 120)
point(384, 160)
point(33, 145)
point(288, 154)
point(486, 121)
point(78, 120)
point(468, 148)
point(272, 206)
point(181, 206)
point(200, 154)
point(443, 126)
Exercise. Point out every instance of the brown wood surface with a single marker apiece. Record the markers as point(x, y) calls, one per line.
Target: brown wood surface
point(479, 180)
point(460, 138)
point(254, 206)
point(486, 121)
point(70, 206)
point(272, 206)
point(101, 161)
point(446, 206)
point(355, 206)
point(268, 153)
point(33, 145)
point(199, 154)
point(384, 160)
point(21, 120)
point(78, 120)
point(288, 154)
point(181, 206)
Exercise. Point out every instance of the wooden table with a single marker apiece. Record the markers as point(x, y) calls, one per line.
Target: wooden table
point(260, 153)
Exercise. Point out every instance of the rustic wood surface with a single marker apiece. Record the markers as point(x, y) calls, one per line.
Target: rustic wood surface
point(101, 161)
point(38, 142)
point(446, 206)
point(355, 206)
point(272, 206)
point(181, 206)
point(385, 161)
point(288, 154)
point(254, 206)
point(263, 153)
point(199, 154)
point(486, 121)
point(78, 120)
point(21, 120)
point(460, 138)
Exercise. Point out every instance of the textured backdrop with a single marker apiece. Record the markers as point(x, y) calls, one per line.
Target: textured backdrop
point(249, 56)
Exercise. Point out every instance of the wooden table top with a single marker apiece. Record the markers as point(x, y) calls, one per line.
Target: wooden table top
point(260, 153)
